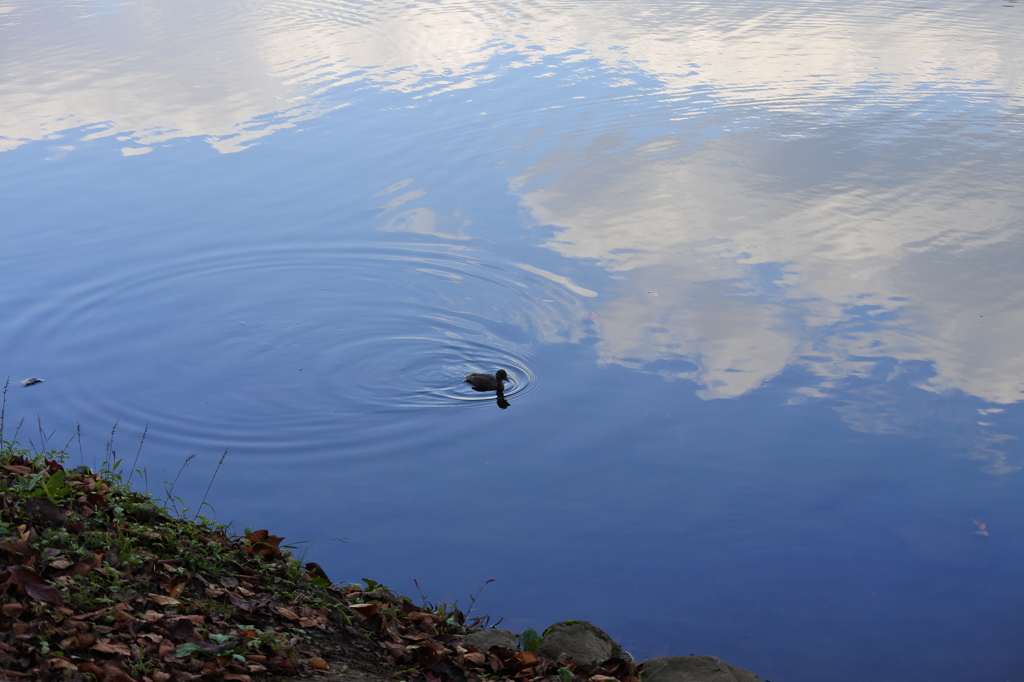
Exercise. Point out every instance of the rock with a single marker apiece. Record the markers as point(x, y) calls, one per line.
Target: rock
point(579, 641)
point(41, 509)
point(483, 641)
point(693, 669)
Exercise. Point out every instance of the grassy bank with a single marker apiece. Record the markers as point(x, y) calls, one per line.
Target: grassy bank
point(100, 581)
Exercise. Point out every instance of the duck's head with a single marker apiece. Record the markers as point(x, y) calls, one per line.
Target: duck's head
point(501, 375)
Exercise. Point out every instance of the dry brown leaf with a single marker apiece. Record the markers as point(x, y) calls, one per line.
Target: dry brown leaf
point(287, 613)
point(152, 616)
point(236, 677)
point(161, 676)
point(319, 663)
point(364, 610)
point(163, 600)
point(112, 648)
point(522, 660)
point(61, 662)
point(308, 623)
point(59, 564)
point(476, 658)
point(15, 469)
point(166, 648)
point(115, 674)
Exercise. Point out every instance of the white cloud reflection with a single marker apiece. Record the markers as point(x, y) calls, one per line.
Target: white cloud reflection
point(755, 270)
point(238, 70)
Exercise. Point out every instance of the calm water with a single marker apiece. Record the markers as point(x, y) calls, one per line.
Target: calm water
point(755, 267)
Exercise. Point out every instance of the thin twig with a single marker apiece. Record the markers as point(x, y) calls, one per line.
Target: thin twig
point(81, 455)
point(200, 508)
point(141, 441)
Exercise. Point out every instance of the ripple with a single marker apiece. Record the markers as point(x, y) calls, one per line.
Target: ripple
point(284, 343)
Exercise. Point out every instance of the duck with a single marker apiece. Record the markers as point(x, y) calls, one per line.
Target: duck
point(487, 382)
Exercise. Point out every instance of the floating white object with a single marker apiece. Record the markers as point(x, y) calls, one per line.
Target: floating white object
point(30, 382)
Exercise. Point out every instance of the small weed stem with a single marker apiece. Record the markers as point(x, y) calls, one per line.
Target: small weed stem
point(141, 441)
point(215, 471)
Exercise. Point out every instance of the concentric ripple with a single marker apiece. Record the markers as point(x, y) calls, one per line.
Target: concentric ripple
point(279, 343)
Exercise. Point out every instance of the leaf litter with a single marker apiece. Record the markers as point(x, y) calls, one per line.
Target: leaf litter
point(103, 582)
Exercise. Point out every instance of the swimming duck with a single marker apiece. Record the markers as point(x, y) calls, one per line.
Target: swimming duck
point(487, 382)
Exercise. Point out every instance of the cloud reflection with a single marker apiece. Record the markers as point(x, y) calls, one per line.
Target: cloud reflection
point(236, 71)
point(755, 268)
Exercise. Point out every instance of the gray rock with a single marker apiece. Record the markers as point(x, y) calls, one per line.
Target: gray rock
point(484, 640)
point(41, 509)
point(693, 669)
point(579, 641)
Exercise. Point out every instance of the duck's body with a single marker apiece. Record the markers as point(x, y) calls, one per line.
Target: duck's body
point(487, 382)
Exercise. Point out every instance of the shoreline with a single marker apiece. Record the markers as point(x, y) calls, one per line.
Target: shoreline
point(103, 582)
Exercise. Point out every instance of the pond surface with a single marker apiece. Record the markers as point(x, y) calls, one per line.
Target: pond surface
point(755, 268)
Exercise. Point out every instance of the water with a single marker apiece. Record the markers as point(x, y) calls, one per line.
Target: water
point(754, 267)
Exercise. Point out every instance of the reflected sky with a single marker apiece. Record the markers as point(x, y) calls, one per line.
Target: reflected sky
point(774, 187)
point(237, 71)
point(755, 268)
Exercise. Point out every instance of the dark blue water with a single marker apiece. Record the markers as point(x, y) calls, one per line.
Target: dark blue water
point(755, 270)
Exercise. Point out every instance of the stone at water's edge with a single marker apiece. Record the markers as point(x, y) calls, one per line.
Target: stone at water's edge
point(496, 637)
point(694, 669)
point(579, 641)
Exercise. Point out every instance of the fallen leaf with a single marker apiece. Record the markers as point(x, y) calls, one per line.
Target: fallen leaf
point(319, 664)
point(524, 659)
point(238, 602)
point(236, 677)
point(166, 648)
point(91, 668)
point(34, 586)
point(14, 469)
point(112, 648)
point(476, 658)
point(114, 674)
point(280, 661)
point(59, 564)
point(287, 613)
point(17, 549)
point(61, 662)
point(308, 623)
point(163, 600)
point(364, 610)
